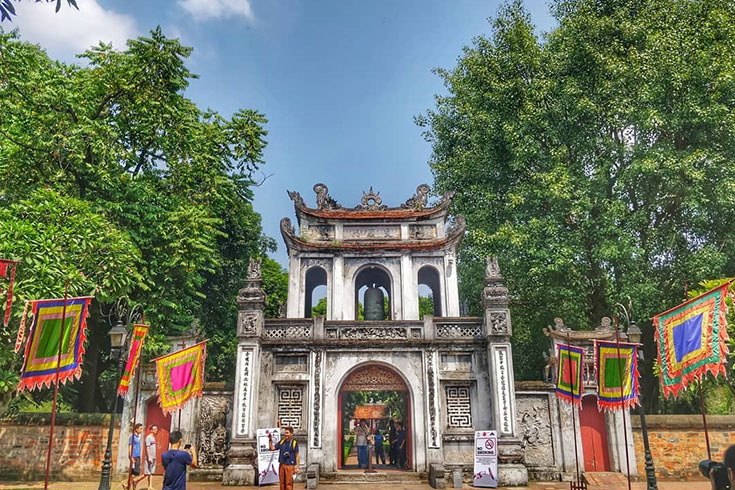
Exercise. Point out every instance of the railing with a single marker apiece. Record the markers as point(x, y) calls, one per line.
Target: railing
point(442, 329)
point(288, 329)
point(459, 328)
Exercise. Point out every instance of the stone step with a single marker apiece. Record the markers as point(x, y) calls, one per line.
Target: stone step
point(357, 478)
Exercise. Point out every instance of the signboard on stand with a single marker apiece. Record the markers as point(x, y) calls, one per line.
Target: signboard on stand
point(486, 459)
point(267, 459)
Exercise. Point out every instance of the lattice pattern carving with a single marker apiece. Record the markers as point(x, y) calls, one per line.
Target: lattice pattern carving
point(459, 331)
point(459, 410)
point(290, 406)
point(287, 332)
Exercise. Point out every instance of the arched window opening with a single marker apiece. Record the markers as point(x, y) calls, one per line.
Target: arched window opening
point(315, 299)
point(430, 299)
point(372, 276)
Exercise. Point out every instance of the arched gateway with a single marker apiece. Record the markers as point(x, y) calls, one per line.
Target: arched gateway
point(372, 383)
point(449, 375)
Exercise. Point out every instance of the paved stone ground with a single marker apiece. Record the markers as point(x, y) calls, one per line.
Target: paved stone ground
point(698, 485)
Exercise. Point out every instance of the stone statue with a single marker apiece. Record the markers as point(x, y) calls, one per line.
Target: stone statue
point(419, 200)
point(323, 199)
point(254, 268)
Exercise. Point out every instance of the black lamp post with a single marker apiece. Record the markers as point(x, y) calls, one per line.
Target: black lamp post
point(634, 335)
point(123, 316)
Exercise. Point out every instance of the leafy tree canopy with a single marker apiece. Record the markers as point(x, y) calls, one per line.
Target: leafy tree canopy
point(595, 162)
point(112, 172)
point(7, 9)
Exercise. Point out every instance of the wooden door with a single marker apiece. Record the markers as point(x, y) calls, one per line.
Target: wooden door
point(594, 436)
point(154, 416)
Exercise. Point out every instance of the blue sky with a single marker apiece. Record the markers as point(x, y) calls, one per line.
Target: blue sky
point(339, 81)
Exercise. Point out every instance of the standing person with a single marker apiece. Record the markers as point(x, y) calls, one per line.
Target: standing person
point(379, 450)
point(729, 463)
point(361, 441)
point(401, 445)
point(288, 457)
point(175, 462)
point(134, 455)
point(149, 467)
point(392, 437)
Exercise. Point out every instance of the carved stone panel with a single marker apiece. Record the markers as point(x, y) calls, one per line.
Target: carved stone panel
point(534, 429)
point(290, 405)
point(374, 378)
point(422, 232)
point(459, 408)
point(386, 232)
point(213, 443)
point(243, 419)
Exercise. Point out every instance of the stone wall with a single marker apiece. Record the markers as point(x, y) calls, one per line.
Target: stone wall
point(79, 447)
point(678, 443)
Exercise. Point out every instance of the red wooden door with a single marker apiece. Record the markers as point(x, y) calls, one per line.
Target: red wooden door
point(594, 436)
point(154, 416)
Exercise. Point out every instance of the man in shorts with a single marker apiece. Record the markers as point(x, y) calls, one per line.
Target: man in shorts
point(149, 465)
point(134, 456)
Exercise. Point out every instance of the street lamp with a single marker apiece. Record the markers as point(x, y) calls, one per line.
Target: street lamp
point(634, 334)
point(123, 316)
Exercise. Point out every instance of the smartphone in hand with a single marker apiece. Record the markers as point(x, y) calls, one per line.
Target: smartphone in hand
point(187, 446)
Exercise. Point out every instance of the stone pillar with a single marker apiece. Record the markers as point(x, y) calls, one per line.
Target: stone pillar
point(241, 464)
point(511, 470)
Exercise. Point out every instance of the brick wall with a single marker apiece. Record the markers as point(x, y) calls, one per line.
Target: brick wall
point(678, 443)
point(79, 447)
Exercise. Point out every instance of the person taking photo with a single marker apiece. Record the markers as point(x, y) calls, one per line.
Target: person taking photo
point(175, 462)
point(288, 457)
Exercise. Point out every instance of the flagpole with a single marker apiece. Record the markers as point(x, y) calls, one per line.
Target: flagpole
point(622, 398)
point(574, 418)
point(704, 420)
point(135, 413)
point(56, 387)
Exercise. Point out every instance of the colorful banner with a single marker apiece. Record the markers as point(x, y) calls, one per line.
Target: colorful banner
point(610, 359)
point(692, 340)
point(569, 373)
point(136, 347)
point(267, 459)
point(180, 376)
point(47, 329)
point(486, 459)
point(5, 266)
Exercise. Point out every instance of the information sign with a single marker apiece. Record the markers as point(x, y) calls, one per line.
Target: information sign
point(486, 459)
point(267, 459)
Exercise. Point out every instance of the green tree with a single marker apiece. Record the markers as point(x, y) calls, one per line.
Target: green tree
point(174, 179)
point(596, 164)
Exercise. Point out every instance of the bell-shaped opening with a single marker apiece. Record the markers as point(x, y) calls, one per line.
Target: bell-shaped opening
point(429, 288)
point(315, 299)
point(373, 294)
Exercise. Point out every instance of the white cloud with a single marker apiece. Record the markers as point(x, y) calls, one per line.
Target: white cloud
point(71, 31)
point(218, 9)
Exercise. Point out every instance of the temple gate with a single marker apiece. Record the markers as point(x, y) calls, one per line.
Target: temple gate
point(455, 373)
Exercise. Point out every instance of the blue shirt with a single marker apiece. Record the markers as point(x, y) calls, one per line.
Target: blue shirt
point(175, 461)
point(401, 438)
point(135, 441)
point(287, 451)
point(378, 440)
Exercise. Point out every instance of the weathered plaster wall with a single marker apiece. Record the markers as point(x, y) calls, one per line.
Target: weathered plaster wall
point(79, 447)
point(678, 444)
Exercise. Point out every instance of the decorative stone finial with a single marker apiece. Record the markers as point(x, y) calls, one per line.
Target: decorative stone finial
point(492, 269)
point(495, 293)
point(323, 199)
point(296, 198)
point(371, 201)
point(419, 200)
point(254, 268)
